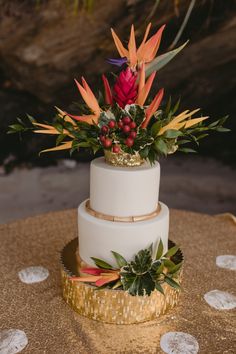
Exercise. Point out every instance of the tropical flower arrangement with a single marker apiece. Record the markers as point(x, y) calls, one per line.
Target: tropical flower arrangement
point(147, 272)
point(125, 119)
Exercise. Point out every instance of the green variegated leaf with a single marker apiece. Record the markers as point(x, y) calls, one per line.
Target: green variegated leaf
point(142, 262)
point(162, 60)
point(137, 113)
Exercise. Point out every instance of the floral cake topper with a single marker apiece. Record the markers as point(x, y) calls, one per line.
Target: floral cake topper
point(125, 119)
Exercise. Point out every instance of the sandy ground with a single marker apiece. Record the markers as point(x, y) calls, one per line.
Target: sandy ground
point(190, 183)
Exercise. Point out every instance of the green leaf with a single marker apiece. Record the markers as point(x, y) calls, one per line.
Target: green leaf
point(84, 144)
point(172, 283)
point(155, 128)
point(16, 127)
point(32, 119)
point(213, 124)
point(157, 268)
point(161, 146)
point(168, 264)
point(58, 127)
point(162, 60)
point(176, 268)
point(172, 251)
point(60, 138)
point(160, 249)
point(202, 136)
point(222, 130)
point(176, 106)
point(101, 264)
point(144, 152)
point(159, 288)
point(168, 106)
point(187, 150)
point(172, 133)
point(120, 260)
point(184, 141)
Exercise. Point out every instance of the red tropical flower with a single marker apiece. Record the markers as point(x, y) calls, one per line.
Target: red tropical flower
point(125, 88)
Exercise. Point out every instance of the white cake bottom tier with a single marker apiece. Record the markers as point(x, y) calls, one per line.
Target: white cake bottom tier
point(98, 237)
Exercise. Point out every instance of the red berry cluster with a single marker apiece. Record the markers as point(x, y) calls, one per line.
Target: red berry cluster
point(128, 126)
point(105, 140)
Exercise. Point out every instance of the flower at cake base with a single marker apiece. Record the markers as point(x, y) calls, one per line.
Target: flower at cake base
point(145, 273)
point(98, 276)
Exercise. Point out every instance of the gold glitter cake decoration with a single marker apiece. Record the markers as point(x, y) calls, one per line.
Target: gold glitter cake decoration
point(112, 306)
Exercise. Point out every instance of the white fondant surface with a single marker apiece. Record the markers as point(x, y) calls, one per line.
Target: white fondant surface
point(124, 191)
point(97, 237)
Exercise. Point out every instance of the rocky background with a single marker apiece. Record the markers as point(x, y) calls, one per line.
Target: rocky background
point(45, 44)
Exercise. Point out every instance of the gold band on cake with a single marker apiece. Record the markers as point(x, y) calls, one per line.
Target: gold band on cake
point(112, 306)
point(123, 159)
point(102, 216)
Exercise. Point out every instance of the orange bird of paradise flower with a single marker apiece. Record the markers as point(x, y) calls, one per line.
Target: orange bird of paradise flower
point(91, 102)
point(147, 50)
point(143, 91)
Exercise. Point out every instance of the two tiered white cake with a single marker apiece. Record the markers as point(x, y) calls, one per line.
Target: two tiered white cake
point(123, 214)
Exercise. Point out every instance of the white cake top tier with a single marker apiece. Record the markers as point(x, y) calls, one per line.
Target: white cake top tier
point(124, 191)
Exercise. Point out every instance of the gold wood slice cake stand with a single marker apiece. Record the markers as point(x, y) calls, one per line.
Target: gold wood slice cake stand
point(112, 306)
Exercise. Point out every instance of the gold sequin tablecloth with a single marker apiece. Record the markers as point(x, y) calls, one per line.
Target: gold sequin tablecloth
point(52, 327)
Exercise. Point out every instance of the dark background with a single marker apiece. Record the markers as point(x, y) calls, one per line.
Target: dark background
point(45, 44)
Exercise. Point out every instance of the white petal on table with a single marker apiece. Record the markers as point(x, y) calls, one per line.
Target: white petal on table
point(32, 275)
point(226, 261)
point(220, 300)
point(12, 341)
point(179, 343)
